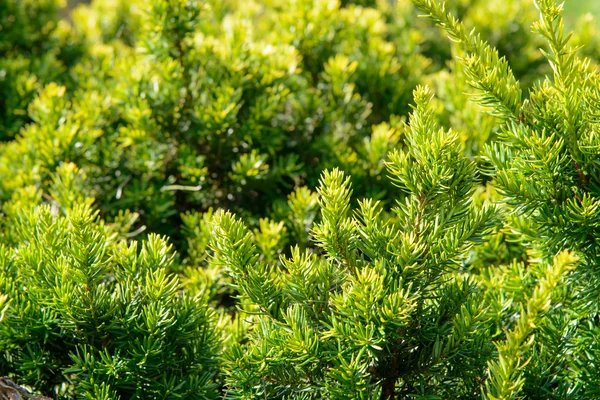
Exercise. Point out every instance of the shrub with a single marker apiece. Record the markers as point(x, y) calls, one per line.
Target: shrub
point(87, 313)
point(213, 115)
point(383, 306)
point(32, 54)
point(169, 106)
point(167, 230)
point(540, 311)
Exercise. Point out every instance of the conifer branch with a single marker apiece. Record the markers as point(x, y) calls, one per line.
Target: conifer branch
point(506, 374)
point(489, 74)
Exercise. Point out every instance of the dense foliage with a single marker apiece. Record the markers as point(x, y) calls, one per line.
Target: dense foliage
point(299, 199)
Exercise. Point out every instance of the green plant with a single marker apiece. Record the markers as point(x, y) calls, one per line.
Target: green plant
point(89, 314)
point(383, 311)
point(543, 164)
point(167, 230)
point(33, 52)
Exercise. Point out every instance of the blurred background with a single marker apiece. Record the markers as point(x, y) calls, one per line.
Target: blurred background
point(573, 8)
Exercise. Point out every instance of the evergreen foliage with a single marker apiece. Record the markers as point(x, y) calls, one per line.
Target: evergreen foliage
point(265, 199)
point(383, 306)
point(87, 314)
point(34, 50)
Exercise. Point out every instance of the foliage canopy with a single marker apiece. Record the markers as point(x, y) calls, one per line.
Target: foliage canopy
point(299, 199)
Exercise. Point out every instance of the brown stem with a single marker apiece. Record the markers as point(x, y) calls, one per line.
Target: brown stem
point(388, 388)
point(583, 180)
point(391, 374)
